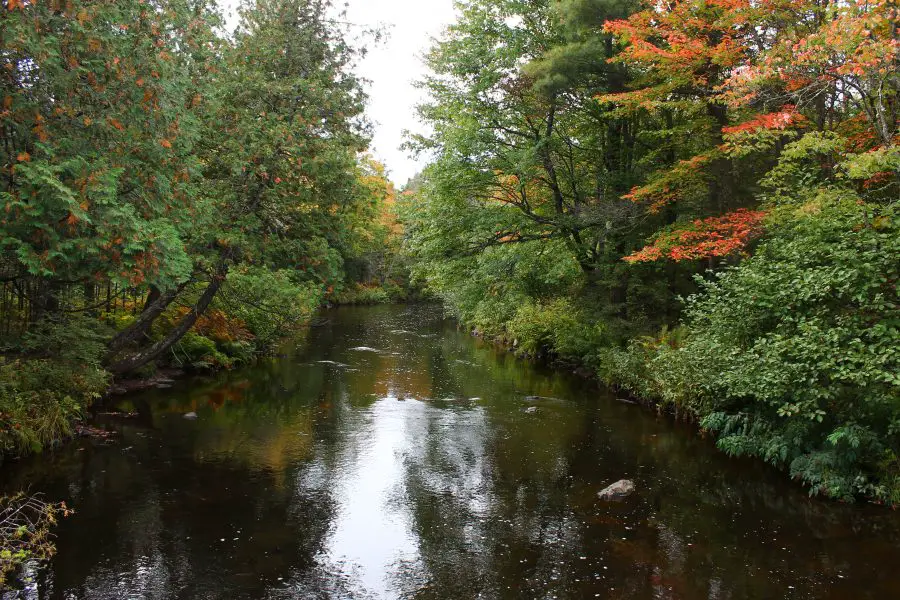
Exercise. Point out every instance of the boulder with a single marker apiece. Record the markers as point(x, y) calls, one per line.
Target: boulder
point(617, 491)
point(192, 416)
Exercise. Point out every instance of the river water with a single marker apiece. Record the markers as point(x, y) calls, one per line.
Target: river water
point(390, 456)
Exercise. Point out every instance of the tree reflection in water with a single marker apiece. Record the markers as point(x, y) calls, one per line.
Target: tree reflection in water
point(414, 471)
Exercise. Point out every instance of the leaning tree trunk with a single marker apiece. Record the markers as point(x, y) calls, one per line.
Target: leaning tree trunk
point(141, 358)
point(138, 330)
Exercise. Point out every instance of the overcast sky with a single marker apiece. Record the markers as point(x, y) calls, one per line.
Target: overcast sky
point(392, 67)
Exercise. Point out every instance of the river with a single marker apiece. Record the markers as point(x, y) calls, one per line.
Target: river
point(389, 455)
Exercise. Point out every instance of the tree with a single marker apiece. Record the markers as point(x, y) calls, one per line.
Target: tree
point(516, 131)
point(766, 73)
point(283, 133)
point(99, 125)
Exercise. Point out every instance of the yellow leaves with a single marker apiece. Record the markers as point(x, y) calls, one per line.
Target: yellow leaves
point(165, 143)
point(140, 82)
point(7, 102)
point(83, 17)
point(14, 4)
point(88, 121)
point(23, 157)
point(116, 123)
point(94, 45)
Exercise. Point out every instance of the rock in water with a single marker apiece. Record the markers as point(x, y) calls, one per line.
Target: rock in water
point(530, 410)
point(617, 491)
point(191, 416)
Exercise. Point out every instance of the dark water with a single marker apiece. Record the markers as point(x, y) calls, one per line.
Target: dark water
point(407, 467)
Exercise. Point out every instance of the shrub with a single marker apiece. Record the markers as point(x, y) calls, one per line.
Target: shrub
point(270, 304)
point(363, 294)
point(555, 327)
point(794, 356)
point(40, 399)
point(198, 352)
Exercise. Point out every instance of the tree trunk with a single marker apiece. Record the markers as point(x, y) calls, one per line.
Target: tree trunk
point(138, 330)
point(141, 358)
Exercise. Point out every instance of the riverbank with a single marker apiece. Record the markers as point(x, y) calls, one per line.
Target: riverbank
point(813, 396)
point(42, 401)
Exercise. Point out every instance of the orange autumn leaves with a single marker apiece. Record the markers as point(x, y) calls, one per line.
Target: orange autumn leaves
point(782, 119)
point(706, 238)
point(760, 62)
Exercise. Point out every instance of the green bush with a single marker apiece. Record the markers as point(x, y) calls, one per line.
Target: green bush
point(198, 352)
point(271, 304)
point(794, 356)
point(40, 400)
point(555, 327)
point(363, 295)
point(240, 352)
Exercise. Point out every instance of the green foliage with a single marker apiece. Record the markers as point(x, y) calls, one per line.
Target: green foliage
point(40, 399)
point(99, 133)
point(199, 353)
point(558, 327)
point(369, 294)
point(272, 304)
point(793, 356)
point(567, 135)
point(72, 339)
point(147, 156)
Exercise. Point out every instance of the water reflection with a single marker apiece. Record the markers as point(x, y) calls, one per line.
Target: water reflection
point(390, 456)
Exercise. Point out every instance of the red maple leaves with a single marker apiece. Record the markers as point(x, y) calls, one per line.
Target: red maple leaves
point(783, 119)
point(712, 237)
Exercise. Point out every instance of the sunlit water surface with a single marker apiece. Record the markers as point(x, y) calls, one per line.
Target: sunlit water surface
point(391, 456)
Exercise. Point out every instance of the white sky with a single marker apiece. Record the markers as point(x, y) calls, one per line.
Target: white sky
point(392, 67)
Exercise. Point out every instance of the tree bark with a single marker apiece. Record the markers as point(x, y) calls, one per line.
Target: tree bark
point(138, 330)
point(141, 358)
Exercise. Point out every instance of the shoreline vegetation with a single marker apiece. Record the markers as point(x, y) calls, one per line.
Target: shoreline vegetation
point(696, 201)
point(699, 214)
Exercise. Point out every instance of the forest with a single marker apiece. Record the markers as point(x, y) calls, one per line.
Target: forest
point(694, 201)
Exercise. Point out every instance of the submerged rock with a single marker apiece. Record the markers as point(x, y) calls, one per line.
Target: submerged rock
point(192, 416)
point(542, 399)
point(617, 491)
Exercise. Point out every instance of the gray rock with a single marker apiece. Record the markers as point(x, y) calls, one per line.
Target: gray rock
point(191, 416)
point(530, 410)
point(617, 491)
